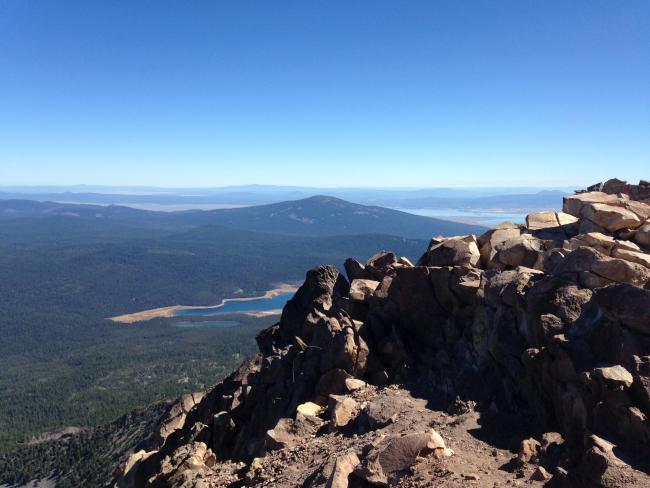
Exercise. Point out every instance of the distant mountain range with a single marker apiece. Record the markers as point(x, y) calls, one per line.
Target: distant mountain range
point(314, 216)
point(524, 198)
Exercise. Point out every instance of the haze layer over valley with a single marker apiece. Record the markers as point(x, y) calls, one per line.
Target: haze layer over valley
point(469, 205)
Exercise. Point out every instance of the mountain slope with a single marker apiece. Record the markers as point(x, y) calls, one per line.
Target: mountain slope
point(323, 215)
point(314, 216)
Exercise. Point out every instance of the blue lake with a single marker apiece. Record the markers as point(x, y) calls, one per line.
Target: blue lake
point(256, 305)
point(209, 324)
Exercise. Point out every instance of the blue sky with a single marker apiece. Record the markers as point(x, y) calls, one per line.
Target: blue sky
point(326, 93)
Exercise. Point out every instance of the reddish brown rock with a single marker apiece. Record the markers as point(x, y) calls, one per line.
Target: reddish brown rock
point(457, 251)
point(343, 467)
point(489, 240)
point(642, 235)
point(397, 453)
point(341, 410)
point(611, 217)
point(362, 290)
point(574, 204)
point(528, 451)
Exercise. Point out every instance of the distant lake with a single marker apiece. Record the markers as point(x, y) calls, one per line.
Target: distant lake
point(211, 324)
point(254, 305)
point(481, 217)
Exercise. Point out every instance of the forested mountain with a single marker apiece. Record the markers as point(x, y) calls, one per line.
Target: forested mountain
point(323, 215)
point(314, 216)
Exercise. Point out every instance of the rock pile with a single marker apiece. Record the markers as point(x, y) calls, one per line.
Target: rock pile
point(549, 321)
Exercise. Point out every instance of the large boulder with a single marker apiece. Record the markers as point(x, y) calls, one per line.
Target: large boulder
point(322, 288)
point(362, 290)
point(621, 271)
point(456, 251)
point(602, 243)
point(176, 415)
point(343, 467)
point(615, 186)
point(489, 240)
point(380, 265)
point(639, 208)
point(355, 270)
point(642, 235)
point(290, 432)
point(413, 310)
point(341, 409)
point(342, 346)
point(525, 250)
point(188, 464)
point(602, 468)
point(398, 453)
point(130, 476)
point(592, 240)
point(632, 256)
point(552, 225)
point(611, 217)
point(614, 376)
point(626, 303)
point(593, 269)
point(573, 204)
point(541, 220)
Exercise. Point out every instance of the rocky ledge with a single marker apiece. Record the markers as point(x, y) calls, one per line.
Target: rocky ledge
point(520, 356)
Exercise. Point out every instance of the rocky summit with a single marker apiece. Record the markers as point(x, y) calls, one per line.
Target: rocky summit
point(518, 357)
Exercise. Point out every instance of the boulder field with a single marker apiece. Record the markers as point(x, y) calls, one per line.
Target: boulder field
point(521, 356)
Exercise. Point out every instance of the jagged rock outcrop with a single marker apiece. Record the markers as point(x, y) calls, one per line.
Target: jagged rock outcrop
point(549, 322)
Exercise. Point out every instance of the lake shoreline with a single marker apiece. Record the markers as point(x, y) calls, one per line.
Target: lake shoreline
point(171, 311)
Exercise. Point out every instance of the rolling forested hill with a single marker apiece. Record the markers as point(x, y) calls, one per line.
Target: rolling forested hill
point(322, 215)
point(314, 216)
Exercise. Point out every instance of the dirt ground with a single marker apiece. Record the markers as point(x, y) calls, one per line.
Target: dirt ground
point(483, 456)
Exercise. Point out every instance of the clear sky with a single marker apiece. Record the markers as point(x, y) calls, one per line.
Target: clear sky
point(324, 93)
